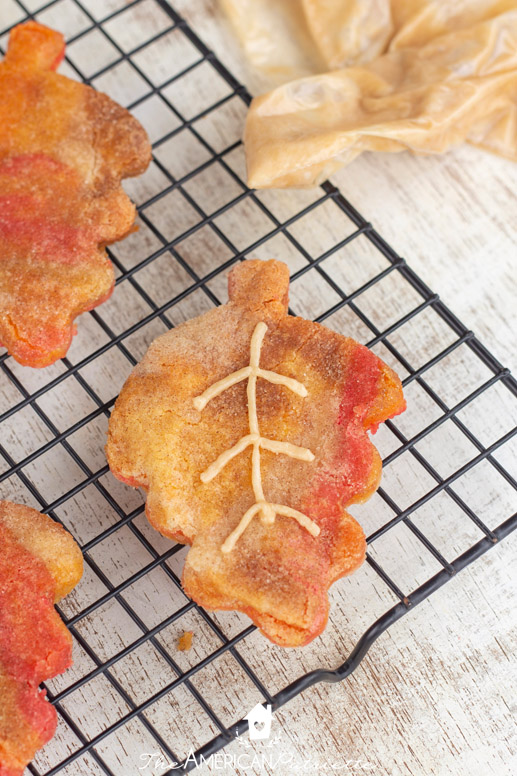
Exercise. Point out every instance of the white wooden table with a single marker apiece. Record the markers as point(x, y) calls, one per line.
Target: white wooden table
point(437, 693)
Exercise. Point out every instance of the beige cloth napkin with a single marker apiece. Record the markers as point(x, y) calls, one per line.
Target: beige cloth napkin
point(375, 75)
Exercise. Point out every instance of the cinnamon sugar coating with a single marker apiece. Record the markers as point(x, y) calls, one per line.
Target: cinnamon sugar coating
point(278, 572)
point(64, 149)
point(39, 563)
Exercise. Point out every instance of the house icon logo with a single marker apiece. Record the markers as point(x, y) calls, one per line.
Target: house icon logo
point(259, 721)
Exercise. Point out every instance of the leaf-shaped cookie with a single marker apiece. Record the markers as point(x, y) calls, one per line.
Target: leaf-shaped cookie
point(247, 426)
point(63, 151)
point(39, 564)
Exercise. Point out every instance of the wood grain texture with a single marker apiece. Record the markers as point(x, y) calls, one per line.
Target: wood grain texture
point(436, 694)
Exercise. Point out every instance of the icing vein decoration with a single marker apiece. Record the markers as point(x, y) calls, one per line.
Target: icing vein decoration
point(251, 373)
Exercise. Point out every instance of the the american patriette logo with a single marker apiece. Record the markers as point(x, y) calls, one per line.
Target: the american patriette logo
point(267, 510)
point(259, 721)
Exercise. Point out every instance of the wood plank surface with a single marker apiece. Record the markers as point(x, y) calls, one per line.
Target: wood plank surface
point(436, 693)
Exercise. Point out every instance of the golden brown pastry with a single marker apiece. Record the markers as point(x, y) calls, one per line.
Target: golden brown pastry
point(248, 428)
point(185, 641)
point(63, 151)
point(39, 564)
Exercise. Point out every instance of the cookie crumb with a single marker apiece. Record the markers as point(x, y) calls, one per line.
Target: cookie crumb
point(185, 641)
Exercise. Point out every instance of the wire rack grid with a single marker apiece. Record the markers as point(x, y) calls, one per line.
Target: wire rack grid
point(130, 690)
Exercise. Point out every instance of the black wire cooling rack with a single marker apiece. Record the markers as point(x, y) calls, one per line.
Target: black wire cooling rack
point(197, 218)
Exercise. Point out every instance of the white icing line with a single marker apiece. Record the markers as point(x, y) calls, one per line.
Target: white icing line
point(246, 519)
point(302, 453)
point(289, 382)
point(252, 372)
point(200, 402)
point(256, 475)
point(215, 467)
point(256, 343)
point(251, 392)
point(304, 521)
